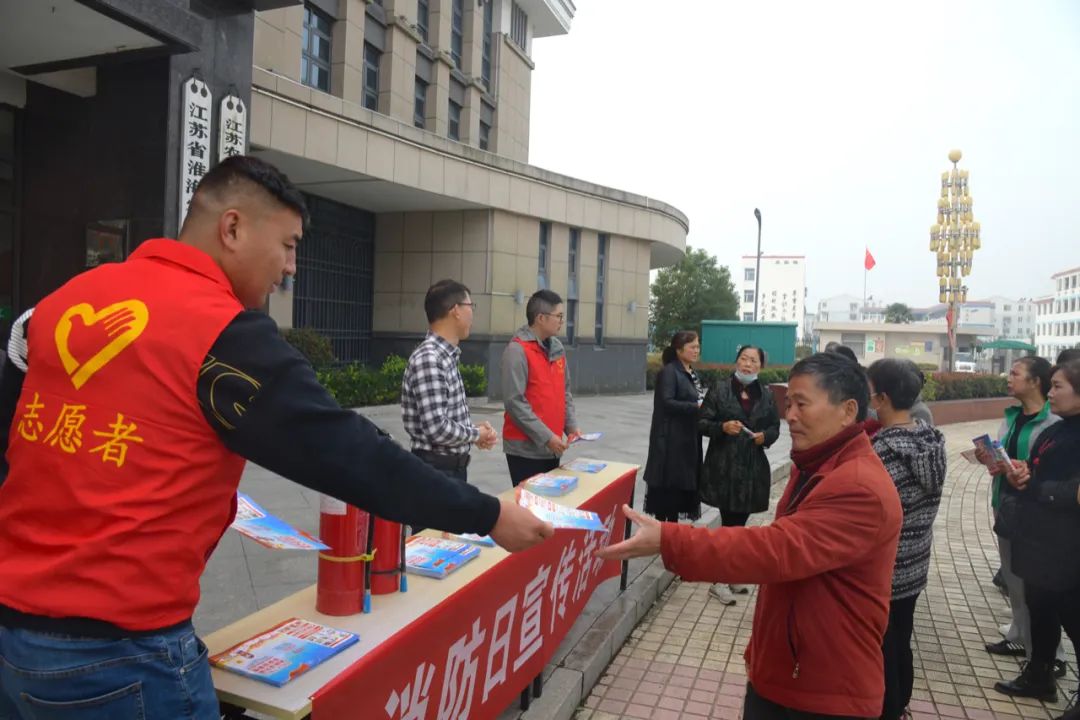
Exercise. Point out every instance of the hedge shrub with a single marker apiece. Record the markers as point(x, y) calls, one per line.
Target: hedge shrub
point(963, 386)
point(312, 345)
point(355, 385)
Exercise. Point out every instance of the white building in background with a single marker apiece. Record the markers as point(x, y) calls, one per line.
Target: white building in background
point(849, 309)
point(1057, 317)
point(782, 289)
point(1014, 319)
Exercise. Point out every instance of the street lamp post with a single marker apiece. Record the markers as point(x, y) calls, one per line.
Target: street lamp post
point(954, 238)
point(757, 268)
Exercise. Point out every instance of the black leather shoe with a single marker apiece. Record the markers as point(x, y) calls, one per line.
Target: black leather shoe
point(1072, 711)
point(1036, 681)
point(1005, 647)
point(1060, 668)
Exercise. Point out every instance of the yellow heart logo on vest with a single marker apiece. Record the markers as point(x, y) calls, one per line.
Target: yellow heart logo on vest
point(123, 322)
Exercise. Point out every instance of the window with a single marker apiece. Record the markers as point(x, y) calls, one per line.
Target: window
point(457, 101)
point(601, 268)
point(544, 256)
point(487, 120)
point(315, 49)
point(372, 56)
point(748, 296)
point(420, 104)
point(572, 286)
point(519, 27)
point(748, 274)
point(489, 29)
point(1007, 308)
point(422, 18)
point(748, 317)
point(454, 127)
point(457, 30)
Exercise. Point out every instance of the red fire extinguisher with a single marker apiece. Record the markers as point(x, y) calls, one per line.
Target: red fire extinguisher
point(340, 588)
point(388, 564)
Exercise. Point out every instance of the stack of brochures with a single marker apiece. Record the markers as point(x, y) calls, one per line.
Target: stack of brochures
point(285, 651)
point(551, 485)
point(588, 466)
point(481, 540)
point(559, 516)
point(437, 557)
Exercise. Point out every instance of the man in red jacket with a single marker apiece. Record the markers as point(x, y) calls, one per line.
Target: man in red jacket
point(824, 565)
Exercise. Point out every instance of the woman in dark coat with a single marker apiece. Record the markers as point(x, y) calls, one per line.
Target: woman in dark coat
point(736, 477)
point(671, 472)
point(1042, 520)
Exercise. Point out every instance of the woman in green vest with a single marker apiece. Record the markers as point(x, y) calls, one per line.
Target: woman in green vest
point(1029, 382)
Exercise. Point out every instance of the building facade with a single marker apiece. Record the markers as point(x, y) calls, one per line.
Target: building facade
point(782, 289)
point(1058, 315)
point(923, 343)
point(406, 125)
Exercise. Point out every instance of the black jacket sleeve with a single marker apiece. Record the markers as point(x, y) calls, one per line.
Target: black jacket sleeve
point(667, 381)
point(11, 382)
point(264, 401)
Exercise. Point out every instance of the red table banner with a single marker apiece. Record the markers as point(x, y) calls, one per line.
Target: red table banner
point(470, 657)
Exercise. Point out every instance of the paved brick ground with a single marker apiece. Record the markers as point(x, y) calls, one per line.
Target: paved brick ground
point(685, 659)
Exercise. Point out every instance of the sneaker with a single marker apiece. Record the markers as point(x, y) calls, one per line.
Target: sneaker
point(722, 592)
point(740, 589)
point(999, 582)
point(1036, 681)
point(1004, 647)
point(1060, 668)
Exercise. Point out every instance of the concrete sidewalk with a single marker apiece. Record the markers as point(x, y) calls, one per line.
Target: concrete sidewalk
point(685, 660)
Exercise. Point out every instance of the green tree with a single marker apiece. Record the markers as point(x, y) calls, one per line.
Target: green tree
point(683, 295)
point(898, 313)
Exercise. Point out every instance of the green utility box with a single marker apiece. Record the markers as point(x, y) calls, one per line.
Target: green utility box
point(721, 339)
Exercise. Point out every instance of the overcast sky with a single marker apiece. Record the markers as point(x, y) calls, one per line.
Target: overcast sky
point(834, 118)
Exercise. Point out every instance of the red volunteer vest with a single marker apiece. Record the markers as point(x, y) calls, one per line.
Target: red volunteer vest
point(545, 391)
point(118, 489)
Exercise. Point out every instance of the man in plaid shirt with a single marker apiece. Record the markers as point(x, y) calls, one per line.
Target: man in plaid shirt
point(433, 406)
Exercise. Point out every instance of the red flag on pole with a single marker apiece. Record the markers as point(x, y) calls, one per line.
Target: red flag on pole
point(869, 262)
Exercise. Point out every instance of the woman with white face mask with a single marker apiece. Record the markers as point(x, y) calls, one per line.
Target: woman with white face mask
point(741, 420)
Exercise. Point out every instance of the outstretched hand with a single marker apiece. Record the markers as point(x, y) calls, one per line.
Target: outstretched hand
point(646, 541)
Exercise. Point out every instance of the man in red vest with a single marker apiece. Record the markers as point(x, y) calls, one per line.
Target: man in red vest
point(539, 422)
point(147, 385)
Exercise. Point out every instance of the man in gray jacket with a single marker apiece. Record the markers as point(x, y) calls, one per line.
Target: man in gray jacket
point(539, 423)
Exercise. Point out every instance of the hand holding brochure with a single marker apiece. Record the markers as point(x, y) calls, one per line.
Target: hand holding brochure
point(559, 516)
point(588, 437)
point(269, 531)
point(993, 448)
point(285, 651)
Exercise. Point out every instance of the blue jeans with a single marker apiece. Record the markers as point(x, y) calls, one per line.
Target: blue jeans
point(47, 676)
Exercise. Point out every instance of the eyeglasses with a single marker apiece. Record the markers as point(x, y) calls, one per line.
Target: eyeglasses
point(560, 317)
point(468, 304)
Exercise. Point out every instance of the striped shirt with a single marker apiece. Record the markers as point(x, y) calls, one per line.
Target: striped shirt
point(433, 406)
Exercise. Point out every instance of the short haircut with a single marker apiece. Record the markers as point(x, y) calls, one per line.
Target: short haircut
point(542, 301)
point(842, 379)
point(1068, 355)
point(236, 171)
point(1038, 369)
point(1071, 371)
point(843, 351)
point(897, 379)
point(744, 348)
point(442, 297)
